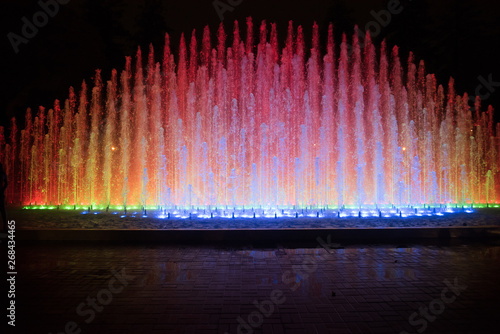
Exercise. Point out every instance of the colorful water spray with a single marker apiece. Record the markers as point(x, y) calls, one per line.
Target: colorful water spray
point(255, 126)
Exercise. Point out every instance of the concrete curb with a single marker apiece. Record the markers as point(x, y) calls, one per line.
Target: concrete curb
point(249, 235)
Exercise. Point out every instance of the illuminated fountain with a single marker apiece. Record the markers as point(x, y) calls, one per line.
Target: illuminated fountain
point(252, 128)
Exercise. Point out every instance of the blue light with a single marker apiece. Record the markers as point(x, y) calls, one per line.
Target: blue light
point(274, 212)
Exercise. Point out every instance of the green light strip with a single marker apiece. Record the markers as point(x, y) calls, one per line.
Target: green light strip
point(187, 208)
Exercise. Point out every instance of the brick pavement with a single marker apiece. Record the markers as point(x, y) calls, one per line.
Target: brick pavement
point(204, 289)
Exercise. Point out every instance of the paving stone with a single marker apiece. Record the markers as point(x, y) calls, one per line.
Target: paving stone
point(206, 289)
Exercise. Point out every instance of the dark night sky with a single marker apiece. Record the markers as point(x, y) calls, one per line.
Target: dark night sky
point(456, 38)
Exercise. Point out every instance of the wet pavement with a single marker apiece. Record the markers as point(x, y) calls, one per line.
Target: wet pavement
point(158, 288)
